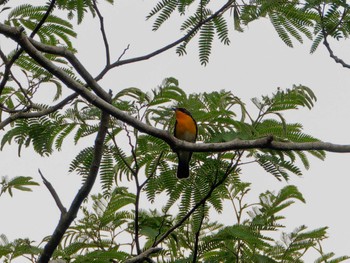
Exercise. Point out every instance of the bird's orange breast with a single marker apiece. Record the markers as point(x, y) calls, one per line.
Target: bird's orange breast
point(186, 128)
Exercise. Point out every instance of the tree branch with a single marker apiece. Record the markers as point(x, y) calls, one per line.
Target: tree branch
point(331, 53)
point(101, 103)
point(326, 33)
point(187, 36)
point(196, 243)
point(83, 192)
point(78, 66)
point(103, 32)
point(144, 255)
point(54, 194)
point(35, 114)
point(229, 169)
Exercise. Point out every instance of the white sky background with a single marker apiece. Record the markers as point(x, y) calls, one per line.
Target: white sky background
point(255, 64)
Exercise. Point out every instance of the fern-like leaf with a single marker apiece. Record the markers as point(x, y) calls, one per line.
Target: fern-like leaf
point(206, 37)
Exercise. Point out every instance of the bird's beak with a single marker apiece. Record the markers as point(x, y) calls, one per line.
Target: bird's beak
point(174, 109)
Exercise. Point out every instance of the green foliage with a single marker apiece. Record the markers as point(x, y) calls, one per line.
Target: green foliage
point(20, 183)
point(181, 221)
point(78, 8)
point(53, 32)
point(16, 249)
point(202, 21)
point(96, 236)
point(40, 132)
point(292, 20)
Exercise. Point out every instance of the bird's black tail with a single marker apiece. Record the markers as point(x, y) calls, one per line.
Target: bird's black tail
point(183, 170)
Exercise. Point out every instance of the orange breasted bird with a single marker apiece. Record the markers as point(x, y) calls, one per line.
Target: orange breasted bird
point(185, 129)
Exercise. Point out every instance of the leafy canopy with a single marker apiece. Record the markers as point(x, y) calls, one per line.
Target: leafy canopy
point(180, 218)
point(117, 216)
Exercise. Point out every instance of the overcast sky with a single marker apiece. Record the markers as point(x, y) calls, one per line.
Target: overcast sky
point(255, 64)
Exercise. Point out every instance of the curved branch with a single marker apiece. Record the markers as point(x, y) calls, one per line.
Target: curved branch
point(54, 194)
point(35, 114)
point(332, 55)
point(326, 33)
point(263, 143)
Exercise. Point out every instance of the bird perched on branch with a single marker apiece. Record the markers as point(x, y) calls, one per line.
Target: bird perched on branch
point(185, 129)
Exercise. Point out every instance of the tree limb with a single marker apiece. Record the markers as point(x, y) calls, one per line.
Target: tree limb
point(187, 36)
point(144, 255)
point(54, 194)
point(35, 114)
point(103, 32)
point(83, 192)
point(332, 55)
point(78, 66)
point(262, 143)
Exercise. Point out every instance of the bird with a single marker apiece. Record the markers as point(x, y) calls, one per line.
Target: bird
point(185, 129)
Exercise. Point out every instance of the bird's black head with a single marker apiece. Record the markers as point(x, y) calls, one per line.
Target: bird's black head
point(182, 110)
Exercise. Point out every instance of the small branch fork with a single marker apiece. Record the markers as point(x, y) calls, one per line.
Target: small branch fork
point(326, 33)
point(54, 194)
point(67, 217)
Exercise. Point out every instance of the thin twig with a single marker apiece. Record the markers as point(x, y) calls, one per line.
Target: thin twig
point(123, 159)
point(3, 57)
point(138, 191)
point(187, 36)
point(103, 32)
point(124, 52)
point(154, 170)
point(54, 194)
